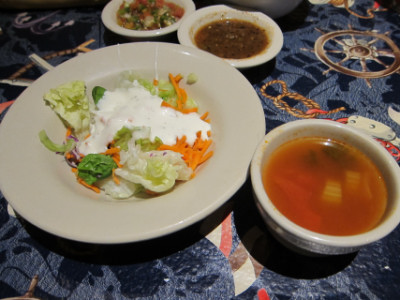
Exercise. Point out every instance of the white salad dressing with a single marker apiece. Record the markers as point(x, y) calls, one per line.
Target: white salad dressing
point(137, 107)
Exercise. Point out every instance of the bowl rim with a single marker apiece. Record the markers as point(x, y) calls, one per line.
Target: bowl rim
point(214, 12)
point(109, 20)
point(267, 7)
point(350, 241)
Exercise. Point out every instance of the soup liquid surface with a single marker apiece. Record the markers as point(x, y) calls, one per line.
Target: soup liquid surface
point(231, 38)
point(325, 186)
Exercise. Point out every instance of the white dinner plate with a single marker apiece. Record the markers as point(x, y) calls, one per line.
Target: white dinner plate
point(41, 188)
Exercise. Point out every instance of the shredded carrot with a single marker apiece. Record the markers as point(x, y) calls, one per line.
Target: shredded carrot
point(181, 142)
point(175, 84)
point(69, 132)
point(183, 95)
point(183, 110)
point(114, 153)
point(204, 116)
point(155, 82)
point(166, 104)
point(68, 155)
point(115, 178)
point(193, 155)
point(206, 156)
point(149, 192)
point(189, 110)
point(92, 187)
point(111, 151)
point(81, 181)
point(178, 77)
point(116, 159)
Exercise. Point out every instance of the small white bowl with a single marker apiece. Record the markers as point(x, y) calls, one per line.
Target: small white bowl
point(306, 241)
point(272, 8)
point(203, 16)
point(109, 19)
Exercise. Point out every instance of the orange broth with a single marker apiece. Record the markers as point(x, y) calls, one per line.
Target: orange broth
point(325, 186)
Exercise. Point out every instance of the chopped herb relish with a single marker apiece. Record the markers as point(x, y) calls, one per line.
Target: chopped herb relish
point(148, 14)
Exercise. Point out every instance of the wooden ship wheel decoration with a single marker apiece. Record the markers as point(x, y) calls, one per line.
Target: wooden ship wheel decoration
point(362, 54)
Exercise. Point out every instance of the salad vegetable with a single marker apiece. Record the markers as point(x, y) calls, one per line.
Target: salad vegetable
point(98, 93)
point(49, 144)
point(94, 167)
point(71, 103)
point(144, 136)
point(148, 14)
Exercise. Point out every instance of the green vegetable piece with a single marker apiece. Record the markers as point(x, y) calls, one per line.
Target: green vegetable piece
point(167, 92)
point(147, 145)
point(122, 137)
point(148, 85)
point(98, 93)
point(190, 103)
point(49, 144)
point(70, 102)
point(192, 78)
point(95, 167)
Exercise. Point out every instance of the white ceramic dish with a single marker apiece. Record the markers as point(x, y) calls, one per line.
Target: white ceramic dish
point(41, 188)
point(304, 240)
point(47, 4)
point(272, 8)
point(108, 16)
point(203, 16)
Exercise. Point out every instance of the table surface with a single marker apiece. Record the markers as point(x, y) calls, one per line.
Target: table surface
point(230, 254)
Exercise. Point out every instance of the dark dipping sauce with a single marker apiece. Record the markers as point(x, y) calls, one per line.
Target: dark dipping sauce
point(232, 38)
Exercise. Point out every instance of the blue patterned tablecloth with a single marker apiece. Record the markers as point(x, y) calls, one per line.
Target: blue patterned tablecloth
point(230, 254)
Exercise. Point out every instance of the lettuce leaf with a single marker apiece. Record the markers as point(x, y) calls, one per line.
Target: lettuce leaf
point(98, 93)
point(49, 144)
point(156, 171)
point(147, 145)
point(165, 90)
point(71, 103)
point(94, 167)
point(127, 77)
point(123, 190)
point(122, 137)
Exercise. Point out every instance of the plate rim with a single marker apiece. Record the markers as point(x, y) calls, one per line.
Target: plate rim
point(176, 226)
